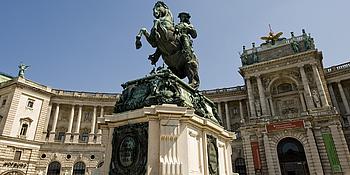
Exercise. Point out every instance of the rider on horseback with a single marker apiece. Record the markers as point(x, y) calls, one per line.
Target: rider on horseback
point(185, 29)
point(173, 43)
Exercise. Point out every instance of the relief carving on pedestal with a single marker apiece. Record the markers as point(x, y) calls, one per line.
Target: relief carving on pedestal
point(129, 152)
point(213, 155)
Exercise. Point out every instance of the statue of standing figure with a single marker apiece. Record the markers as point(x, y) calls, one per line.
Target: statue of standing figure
point(22, 68)
point(316, 98)
point(173, 43)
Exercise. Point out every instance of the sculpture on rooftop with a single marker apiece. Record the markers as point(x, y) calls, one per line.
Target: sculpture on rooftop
point(271, 37)
point(22, 68)
point(173, 43)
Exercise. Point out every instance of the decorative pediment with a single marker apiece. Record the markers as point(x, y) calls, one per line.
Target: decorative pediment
point(26, 120)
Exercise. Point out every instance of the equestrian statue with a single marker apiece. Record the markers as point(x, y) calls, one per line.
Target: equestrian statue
point(172, 42)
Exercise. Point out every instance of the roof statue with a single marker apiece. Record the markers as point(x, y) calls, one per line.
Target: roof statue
point(22, 68)
point(172, 42)
point(271, 37)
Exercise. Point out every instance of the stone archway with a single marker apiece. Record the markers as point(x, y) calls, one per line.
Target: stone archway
point(13, 172)
point(292, 158)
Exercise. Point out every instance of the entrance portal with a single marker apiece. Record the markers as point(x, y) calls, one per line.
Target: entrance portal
point(292, 157)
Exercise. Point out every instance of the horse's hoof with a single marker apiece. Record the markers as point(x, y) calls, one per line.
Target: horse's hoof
point(138, 44)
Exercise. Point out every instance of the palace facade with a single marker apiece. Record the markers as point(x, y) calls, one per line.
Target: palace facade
point(292, 114)
point(290, 117)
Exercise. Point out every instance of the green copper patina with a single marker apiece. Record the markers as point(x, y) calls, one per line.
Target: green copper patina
point(173, 43)
point(22, 68)
point(163, 87)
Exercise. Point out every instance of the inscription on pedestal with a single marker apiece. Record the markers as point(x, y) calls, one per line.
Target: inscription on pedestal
point(129, 152)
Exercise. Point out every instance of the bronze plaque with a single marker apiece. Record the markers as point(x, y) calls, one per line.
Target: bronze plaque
point(129, 150)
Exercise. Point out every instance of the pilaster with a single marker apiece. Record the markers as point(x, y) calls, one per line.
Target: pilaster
point(309, 102)
point(320, 87)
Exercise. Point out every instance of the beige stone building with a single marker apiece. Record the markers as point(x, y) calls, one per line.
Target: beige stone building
point(291, 114)
point(291, 117)
point(50, 131)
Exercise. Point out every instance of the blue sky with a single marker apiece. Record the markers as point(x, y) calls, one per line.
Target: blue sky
point(88, 45)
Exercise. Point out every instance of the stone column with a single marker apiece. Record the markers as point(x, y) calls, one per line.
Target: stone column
point(302, 101)
point(241, 111)
point(316, 161)
point(70, 126)
point(77, 125)
point(319, 84)
point(54, 124)
point(262, 96)
point(251, 98)
point(268, 154)
point(227, 112)
point(45, 131)
point(334, 99)
point(93, 125)
point(248, 154)
point(99, 132)
point(220, 111)
point(341, 147)
point(248, 110)
point(343, 98)
point(273, 113)
point(309, 102)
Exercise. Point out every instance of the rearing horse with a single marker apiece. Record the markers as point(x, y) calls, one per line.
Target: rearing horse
point(166, 40)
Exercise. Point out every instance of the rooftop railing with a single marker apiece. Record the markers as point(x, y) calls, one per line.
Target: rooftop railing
point(223, 90)
point(84, 94)
point(339, 67)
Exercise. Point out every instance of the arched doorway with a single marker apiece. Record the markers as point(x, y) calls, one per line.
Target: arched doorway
point(54, 168)
point(79, 168)
point(291, 156)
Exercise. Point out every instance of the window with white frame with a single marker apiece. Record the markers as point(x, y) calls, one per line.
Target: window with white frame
point(30, 103)
point(24, 125)
point(24, 129)
point(17, 155)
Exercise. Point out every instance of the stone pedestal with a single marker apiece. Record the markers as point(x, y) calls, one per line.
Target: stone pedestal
point(177, 141)
point(162, 126)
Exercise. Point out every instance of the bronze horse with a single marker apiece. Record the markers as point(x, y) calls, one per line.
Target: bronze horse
point(164, 37)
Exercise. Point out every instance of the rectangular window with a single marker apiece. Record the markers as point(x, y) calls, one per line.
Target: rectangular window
point(61, 136)
point(18, 155)
point(30, 103)
point(84, 137)
point(3, 103)
point(24, 129)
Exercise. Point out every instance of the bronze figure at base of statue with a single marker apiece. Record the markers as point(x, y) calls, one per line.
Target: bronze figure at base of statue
point(163, 87)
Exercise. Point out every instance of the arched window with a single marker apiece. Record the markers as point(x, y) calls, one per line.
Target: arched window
point(54, 168)
point(24, 129)
point(79, 168)
point(240, 166)
point(284, 87)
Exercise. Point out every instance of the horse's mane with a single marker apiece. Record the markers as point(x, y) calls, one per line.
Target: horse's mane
point(166, 7)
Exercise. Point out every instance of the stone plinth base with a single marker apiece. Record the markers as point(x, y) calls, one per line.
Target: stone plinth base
point(165, 139)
